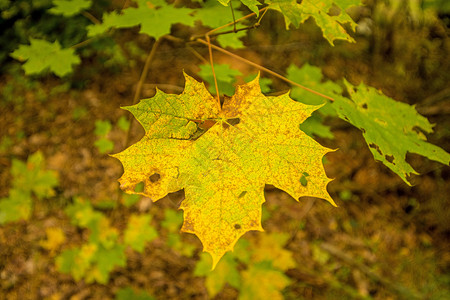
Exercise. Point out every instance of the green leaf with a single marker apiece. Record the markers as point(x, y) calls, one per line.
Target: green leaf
point(390, 128)
point(76, 261)
point(172, 220)
point(226, 77)
point(105, 260)
point(91, 261)
point(175, 242)
point(269, 248)
point(311, 77)
point(17, 206)
point(251, 4)
point(331, 25)
point(139, 232)
point(123, 123)
point(225, 272)
point(130, 294)
point(313, 126)
point(261, 281)
point(82, 214)
point(264, 83)
point(109, 20)
point(154, 17)
point(102, 128)
point(41, 55)
point(31, 177)
point(69, 8)
point(232, 40)
point(104, 145)
point(214, 15)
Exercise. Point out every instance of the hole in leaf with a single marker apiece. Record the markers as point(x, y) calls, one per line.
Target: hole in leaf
point(373, 146)
point(139, 187)
point(364, 106)
point(233, 121)
point(155, 177)
point(389, 158)
point(237, 226)
point(242, 194)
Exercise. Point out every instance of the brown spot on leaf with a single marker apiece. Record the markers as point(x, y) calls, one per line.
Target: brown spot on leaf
point(389, 158)
point(373, 146)
point(237, 226)
point(154, 178)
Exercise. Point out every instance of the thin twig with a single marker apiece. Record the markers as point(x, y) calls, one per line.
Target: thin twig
point(263, 69)
point(196, 54)
point(194, 37)
point(260, 18)
point(91, 17)
point(212, 68)
point(235, 30)
point(83, 43)
point(232, 13)
point(144, 73)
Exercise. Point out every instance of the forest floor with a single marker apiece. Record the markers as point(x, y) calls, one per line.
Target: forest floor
point(385, 240)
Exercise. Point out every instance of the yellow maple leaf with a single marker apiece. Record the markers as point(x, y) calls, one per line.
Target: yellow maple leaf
point(55, 238)
point(223, 157)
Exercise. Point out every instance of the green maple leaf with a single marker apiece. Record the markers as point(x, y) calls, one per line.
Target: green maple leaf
point(331, 25)
point(251, 4)
point(214, 15)
point(222, 157)
point(390, 128)
point(69, 8)
point(226, 77)
point(269, 247)
point(262, 281)
point(139, 232)
point(28, 178)
point(311, 77)
point(154, 17)
point(31, 177)
point(17, 206)
point(41, 55)
point(225, 272)
point(232, 40)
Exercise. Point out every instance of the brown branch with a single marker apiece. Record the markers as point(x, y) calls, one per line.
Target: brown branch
point(91, 17)
point(263, 69)
point(83, 43)
point(195, 37)
point(235, 30)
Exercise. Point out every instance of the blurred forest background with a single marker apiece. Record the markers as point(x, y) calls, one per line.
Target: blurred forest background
point(84, 239)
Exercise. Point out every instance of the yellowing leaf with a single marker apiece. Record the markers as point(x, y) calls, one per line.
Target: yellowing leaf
point(223, 157)
point(55, 237)
point(261, 281)
point(139, 232)
point(225, 272)
point(270, 248)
